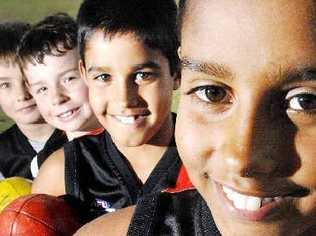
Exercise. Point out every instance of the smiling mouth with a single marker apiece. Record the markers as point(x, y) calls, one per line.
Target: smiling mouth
point(254, 203)
point(68, 114)
point(130, 119)
point(246, 202)
point(28, 108)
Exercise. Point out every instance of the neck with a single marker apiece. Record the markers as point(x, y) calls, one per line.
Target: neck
point(145, 157)
point(37, 132)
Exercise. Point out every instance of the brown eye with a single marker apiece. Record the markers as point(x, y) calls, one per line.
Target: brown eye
point(302, 102)
point(213, 94)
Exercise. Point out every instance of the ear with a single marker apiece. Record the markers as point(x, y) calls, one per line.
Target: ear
point(177, 76)
point(179, 52)
point(82, 71)
point(176, 80)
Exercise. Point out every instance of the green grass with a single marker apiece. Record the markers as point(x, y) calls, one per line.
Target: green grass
point(34, 10)
point(5, 122)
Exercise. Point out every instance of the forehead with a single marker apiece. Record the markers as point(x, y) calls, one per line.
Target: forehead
point(125, 48)
point(9, 70)
point(52, 66)
point(249, 34)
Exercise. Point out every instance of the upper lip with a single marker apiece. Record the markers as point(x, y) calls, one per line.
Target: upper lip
point(138, 112)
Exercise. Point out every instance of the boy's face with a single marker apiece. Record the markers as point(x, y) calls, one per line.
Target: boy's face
point(61, 95)
point(130, 88)
point(246, 127)
point(15, 100)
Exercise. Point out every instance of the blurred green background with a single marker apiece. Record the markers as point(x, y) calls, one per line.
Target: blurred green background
point(32, 11)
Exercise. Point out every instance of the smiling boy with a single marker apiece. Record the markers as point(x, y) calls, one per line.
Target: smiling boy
point(129, 61)
point(49, 58)
point(30, 136)
point(246, 125)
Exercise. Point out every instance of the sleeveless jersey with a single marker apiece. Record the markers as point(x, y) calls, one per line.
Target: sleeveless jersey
point(100, 176)
point(16, 153)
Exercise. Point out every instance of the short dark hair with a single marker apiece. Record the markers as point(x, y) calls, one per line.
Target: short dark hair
point(54, 35)
point(10, 36)
point(182, 10)
point(151, 21)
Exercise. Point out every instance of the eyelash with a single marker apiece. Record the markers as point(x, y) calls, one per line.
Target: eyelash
point(200, 92)
point(99, 77)
point(301, 95)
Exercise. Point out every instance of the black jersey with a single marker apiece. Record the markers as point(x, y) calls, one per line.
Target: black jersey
point(180, 213)
point(16, 153)
point(99, 175)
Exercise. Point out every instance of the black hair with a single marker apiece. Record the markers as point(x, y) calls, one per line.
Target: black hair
point(54, 35)
point(10, 36)
point(182, 10)
point(151, 21)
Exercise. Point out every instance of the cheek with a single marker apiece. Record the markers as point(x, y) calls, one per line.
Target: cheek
point(306, 150)
point(97, 101)
point(193, 142)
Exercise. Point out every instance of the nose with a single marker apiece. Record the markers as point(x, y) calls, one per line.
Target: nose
point(126, 94)
point(22, 93)
point(256, 145)
point(58, 96)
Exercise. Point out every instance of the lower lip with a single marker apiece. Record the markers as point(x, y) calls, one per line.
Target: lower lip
point(75, 113)
point(261, 214)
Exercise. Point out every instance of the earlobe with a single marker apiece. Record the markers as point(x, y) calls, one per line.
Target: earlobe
point(82, 71)
point(177, 80)
point(179, 52)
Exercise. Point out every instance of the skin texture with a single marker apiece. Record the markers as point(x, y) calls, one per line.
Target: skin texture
point(247, 113)
point(17, 103)
point(50, 179)
point(15, 100)
point(114, 224)
point(57, 88)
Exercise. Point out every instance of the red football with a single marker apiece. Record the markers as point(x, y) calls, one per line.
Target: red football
point(38, 214)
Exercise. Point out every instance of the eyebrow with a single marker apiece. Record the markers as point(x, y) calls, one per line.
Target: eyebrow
point(149, 64)
point(67, 71)
point(59, 75)
point(304, 74)
point(4, 78)
point(213, 69)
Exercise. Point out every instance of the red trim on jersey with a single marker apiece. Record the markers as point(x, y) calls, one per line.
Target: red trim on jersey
point(96, 131)
point(183, 182)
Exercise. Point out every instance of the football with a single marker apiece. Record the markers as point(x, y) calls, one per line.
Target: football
point(39, 214)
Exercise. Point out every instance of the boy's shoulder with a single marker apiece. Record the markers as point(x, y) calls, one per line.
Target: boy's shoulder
point(11, 135)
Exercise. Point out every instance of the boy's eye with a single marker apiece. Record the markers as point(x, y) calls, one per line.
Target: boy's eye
point(4, 85)
point(41, 90)
point(102, 77)
point(212, 94)
point(70, 78)
point(142, 76)
point(302, 102)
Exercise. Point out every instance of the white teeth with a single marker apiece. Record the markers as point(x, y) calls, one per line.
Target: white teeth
point(244, 202)
point(253, 203)
point(126, 119)
point(66, 114)
point(239, 201)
